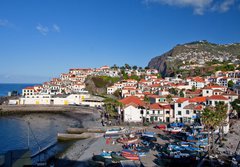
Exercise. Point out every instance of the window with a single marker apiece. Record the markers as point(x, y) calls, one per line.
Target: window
point(210, 102)
point(194, 111)
point(158, 112)
point(179, 113)
point(179, 104)
point(187, 111)
point(147, 112)
point(153, 111)
point(207, 91)
point(167, 112)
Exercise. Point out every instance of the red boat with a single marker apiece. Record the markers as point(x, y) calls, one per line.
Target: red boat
point(130, 156)
point(161, 126)
point(129, 140)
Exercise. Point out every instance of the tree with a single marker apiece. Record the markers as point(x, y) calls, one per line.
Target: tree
point(194, 88)
point(169, 98)
point(230, 84)
point(207, 117)
point(117, 93)
point(213, 117)
point(111, 106)
point(127, 66)
point(173, 91)
point(135, 67)
point(181, 94)
point(146, 68)
point(221, 112)
point(115, 67)
point(236, 106)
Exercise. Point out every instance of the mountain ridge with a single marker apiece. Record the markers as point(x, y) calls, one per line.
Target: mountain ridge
point(196, 52)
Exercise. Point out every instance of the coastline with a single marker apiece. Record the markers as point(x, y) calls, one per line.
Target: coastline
point(72, 155)
point(87, 117)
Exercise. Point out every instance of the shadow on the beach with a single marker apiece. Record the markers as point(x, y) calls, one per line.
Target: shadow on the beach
point(65, 162)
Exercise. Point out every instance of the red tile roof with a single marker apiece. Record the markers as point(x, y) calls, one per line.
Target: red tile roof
point(217, 97)
point(155, 106)
point(167, 106)
point(198, 107)
point(198, 100)
point(133, 100)
point(181, 100)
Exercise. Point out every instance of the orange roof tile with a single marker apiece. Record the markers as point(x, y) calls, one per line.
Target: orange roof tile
point(198, 100)
point(198, 107)
point(155, 106)
point(198, 79)
point(181, 100)
point(132, 99)
point(217, 97)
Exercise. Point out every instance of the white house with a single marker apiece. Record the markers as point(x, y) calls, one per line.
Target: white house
point(133, 110)
point(111, 89)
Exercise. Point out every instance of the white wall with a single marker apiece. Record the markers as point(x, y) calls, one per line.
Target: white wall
point(132, 114)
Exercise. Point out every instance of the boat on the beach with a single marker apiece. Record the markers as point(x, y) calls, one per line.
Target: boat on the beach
point(65, 136)
point(117, 157)
point(173, 130)
point(149, 134)
point(82, 130)
point(128, 140)
point(105, 154)
point(114, 131)
point(131, 156)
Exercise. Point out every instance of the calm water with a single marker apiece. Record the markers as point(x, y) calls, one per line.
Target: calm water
point(5, 88)
point(14, 130)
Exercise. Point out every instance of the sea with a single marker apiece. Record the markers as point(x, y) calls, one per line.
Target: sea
point(9, 87)
point(34, 131)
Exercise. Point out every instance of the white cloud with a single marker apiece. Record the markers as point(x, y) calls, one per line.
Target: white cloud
point(223, 6)
point(42, 29)
point(56, 28)
point(4, 22)
point(199, 6)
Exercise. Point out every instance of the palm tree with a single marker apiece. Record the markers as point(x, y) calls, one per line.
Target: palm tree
point(221, 112)
point(207, 119)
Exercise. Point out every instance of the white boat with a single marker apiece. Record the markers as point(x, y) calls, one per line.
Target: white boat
point(174, 130)
point(114, 131)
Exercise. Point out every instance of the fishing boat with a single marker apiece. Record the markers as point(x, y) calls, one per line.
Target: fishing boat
point(114, 131)
point(105, 154)
point(98, 158)
point(131, 156)
point(128, 140)
point(64, 136)
point(149, 134)
point(173, 130)
point(117, 157)
point(82, 130)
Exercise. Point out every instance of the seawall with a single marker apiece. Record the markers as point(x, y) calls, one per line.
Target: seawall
point(25, 109)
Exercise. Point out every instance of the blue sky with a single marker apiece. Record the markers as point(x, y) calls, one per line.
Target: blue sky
point(40, 39)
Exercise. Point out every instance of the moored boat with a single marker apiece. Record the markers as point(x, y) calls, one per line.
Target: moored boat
point(128, 140)
point(64, 136)
point(117, 157)
point(82, 130)
point(114, 131)
point(173, 130)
